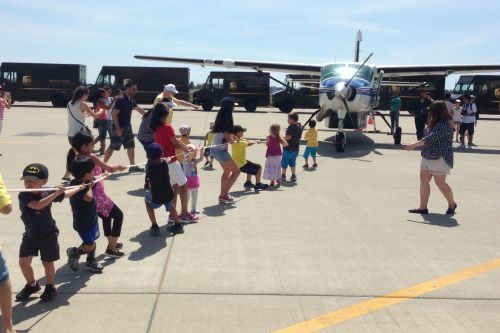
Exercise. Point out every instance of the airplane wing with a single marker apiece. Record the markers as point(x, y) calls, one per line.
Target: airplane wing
point(411, 70)
point(254, 65)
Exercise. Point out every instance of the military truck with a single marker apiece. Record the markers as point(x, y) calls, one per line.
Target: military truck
point(42, 82)
point(301, 92)
point(249, 89)
point(150, 80)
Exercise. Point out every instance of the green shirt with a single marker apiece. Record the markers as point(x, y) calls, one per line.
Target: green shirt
point(395, 104)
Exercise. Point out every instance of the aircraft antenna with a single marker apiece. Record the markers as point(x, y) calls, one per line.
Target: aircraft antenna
point(359, 38)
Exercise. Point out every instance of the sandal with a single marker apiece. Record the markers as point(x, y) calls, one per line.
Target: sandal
point(419, 211)
point(451, 211)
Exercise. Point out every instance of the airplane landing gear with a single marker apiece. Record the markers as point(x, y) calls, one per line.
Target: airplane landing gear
point(340, 142)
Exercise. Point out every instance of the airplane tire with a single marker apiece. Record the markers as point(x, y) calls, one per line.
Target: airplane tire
point(397, 136)
point(250, 105)
point(340, 142)
point(286, 107)
point(207, 104)
point(58, 101)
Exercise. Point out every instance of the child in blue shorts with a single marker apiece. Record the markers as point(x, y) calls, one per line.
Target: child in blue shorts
point(160, 191)
point(291, 151)
point(84, 208)
point(312, 144)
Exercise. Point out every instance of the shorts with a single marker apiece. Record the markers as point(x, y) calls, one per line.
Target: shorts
point(48, 248)
point(206, 152)
point(222, 156)
point(289, 158)
point(127, 139)
point(149, 200)
point(310, 151)
point(193, 182)
point(466, 127)
point(177, 176)
point(435, 167)
point(251, 168)
point(104, 127)
point(4, 272)
point(90, 236)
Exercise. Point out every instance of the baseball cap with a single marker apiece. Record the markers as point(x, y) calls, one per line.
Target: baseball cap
point(35, 172)
point(184, 129)
point(238, 128)
point(154, 151)
point(170, 87)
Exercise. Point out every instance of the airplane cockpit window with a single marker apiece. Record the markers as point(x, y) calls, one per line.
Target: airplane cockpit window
point(347, 71)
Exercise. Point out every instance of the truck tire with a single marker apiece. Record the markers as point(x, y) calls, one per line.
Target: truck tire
point(207, 104)
point(250, 105)
point(286, 107)
point(58, 101)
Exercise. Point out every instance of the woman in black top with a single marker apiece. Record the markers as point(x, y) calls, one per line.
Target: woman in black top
point(223, 134)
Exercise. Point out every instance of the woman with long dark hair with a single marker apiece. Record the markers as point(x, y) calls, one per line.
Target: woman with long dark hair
point(223, 135)
point(77, 109)
point(437, 157)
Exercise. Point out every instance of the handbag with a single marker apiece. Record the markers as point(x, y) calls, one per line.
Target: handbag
point(85, 129)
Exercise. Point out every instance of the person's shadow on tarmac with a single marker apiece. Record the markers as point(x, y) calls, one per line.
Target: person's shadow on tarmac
point(69, 283)
point(149, 245)
point(440, 220)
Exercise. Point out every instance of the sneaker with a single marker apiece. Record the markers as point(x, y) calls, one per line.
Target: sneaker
point(135, 169)
point(94, 266)
point(261, 186)
point(306, 166)
point(248, 184)
point(315, 165)
point(114, 254)
point(462, 146)
point(293, 178)
point(177, 228)
point(190, 217)
point(119, 246)
point(469, 147)
point(49, 293)
point(206, 164)
point(226, 199)
point(73, 258)
point(27, 291)
point(283, 177)
point(195, 211)
point(154, 231)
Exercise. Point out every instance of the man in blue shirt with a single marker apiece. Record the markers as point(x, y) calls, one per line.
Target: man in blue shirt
point(122, 133)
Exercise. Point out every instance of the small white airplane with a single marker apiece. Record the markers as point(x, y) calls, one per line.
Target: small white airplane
point(348, 91)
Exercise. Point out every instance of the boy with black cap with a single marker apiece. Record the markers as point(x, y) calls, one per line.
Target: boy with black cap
point(239, 151)
point(160, 191)
point(40, 230)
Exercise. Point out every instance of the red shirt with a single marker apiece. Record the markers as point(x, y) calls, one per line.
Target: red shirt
point(163, 136)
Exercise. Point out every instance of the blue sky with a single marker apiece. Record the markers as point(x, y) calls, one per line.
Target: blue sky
point(98, 33)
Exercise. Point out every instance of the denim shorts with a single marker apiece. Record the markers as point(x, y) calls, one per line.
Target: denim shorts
point(289, 158)
point(104, 127)
point(4, 273)
point(127, 139)
point(221, 156)
point(149, 200)
point(90, 236)
point(310, 151)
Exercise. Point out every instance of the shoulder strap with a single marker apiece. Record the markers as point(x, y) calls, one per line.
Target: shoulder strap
point(71, 113)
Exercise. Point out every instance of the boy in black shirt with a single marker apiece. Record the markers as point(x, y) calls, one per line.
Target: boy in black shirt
point(84, 210)
point(40, 230)
point(160, 191)
point(291, 151)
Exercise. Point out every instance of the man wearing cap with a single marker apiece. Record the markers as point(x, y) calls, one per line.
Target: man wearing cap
point(418, 109)
point(122, 133)
point(168, 96)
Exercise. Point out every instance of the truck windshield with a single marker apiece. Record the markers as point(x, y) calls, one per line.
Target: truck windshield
point(461, 88)
point(347, 71)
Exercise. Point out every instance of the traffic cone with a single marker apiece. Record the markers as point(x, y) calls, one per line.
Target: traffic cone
point(370, 120)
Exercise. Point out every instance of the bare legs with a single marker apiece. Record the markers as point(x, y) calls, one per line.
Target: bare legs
point(6, 306)
point(229, 175)
point(425, 189)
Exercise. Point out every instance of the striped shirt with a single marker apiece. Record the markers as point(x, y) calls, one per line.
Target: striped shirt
point(146, 134)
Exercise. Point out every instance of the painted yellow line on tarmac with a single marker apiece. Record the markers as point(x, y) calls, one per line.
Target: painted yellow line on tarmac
point(336, 317)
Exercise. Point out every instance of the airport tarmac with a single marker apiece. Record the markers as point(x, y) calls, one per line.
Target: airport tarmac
point(336, 252)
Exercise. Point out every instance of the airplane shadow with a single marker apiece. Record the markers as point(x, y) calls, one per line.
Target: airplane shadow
point(149, 245)
point(69, 283)
point(439, 220)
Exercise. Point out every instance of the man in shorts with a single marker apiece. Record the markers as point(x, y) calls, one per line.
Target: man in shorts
point(121, 133)
point(468, 122)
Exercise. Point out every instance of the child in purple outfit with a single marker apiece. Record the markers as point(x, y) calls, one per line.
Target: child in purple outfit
point(274, 141)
